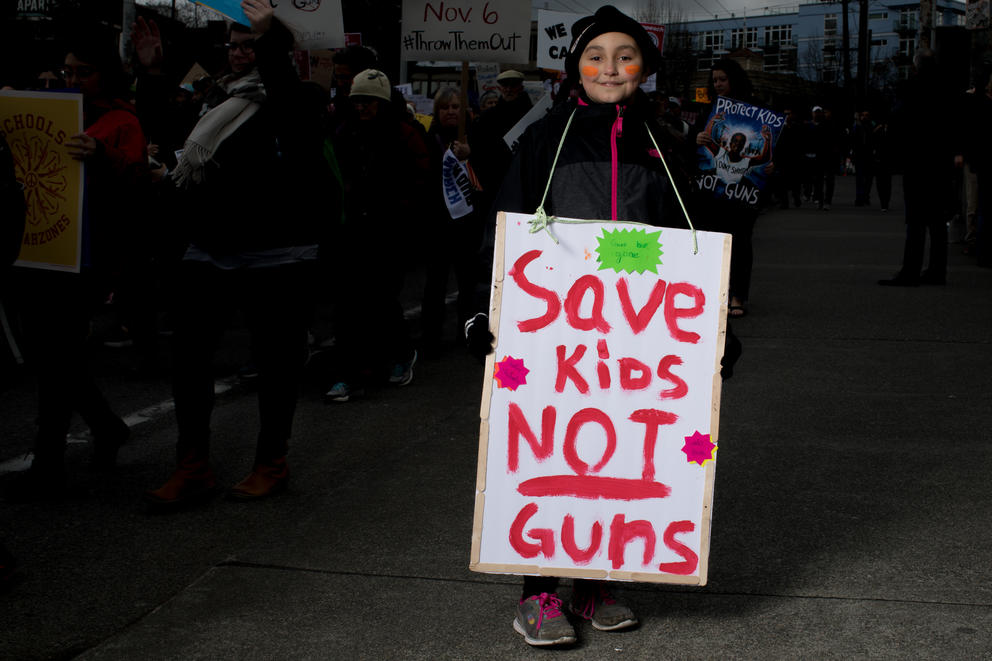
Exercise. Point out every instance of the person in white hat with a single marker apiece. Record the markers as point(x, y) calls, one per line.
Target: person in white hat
point(385, 169)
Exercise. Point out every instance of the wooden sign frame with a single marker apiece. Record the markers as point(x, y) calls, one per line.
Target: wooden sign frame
point(682, 549)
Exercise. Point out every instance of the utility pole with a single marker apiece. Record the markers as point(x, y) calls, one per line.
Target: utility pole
point(864, 49)
point(846, 45)
point(926, 24)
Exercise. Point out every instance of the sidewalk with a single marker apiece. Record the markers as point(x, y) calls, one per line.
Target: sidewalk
point(851, 513)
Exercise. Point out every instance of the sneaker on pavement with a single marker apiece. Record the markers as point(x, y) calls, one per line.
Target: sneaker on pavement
point(118, 338)
point(403, 372)
point(248, 373)
point(342, 392)
point(602, 609)
point(541, 622)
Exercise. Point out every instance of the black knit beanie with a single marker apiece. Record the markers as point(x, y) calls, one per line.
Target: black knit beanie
point(609, 19)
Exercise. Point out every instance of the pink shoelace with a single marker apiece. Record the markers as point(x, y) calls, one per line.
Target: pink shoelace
point(550, 607)
point(590, 606)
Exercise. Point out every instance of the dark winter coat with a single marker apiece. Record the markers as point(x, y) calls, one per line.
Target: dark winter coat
point(608, 169)
point(264, 187)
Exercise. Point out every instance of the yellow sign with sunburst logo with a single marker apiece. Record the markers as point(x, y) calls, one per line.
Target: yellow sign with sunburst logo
point(36, 126)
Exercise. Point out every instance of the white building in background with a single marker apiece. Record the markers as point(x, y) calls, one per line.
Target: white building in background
point(806, 39)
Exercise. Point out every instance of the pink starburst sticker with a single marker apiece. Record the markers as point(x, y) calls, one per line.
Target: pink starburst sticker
point(510, 373)
point(698, 448)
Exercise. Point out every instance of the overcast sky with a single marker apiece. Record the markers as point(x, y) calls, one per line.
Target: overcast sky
point(690, 9)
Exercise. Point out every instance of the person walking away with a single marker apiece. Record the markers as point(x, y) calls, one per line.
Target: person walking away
point(788, 161)
point(862, 140)
point(927, 176)
point(821, 153)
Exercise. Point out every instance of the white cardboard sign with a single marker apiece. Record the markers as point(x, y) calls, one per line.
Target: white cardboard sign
point(554, 36)
point(470, 30)
point(600, 409)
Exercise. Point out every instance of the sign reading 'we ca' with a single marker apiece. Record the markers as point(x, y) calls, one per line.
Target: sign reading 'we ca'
point(600, 411)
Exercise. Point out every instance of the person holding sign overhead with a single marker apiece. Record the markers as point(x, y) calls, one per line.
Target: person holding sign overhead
point(595, 156)
point(246, 185)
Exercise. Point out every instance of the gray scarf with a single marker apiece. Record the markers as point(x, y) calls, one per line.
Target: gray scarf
point(245, 94)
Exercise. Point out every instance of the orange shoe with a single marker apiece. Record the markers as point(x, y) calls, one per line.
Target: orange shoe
point(192, 481)
point(267, 478)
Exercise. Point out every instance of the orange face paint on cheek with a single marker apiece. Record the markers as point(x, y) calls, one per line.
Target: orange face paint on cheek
point(632, 69)
point(590, 71)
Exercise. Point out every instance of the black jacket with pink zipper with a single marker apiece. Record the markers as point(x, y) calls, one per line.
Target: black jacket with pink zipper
point(608, 169)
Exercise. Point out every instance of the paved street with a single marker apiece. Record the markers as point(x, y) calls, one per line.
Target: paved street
point(851, 508)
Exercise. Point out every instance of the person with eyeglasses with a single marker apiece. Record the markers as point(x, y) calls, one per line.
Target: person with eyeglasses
point(250, 193)
point(55, 307)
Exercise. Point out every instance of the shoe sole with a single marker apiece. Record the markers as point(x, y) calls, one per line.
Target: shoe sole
point(195, 498)
point(626, 624)
point(343, 398)
point(407, 376)
point(244, 497)
point(538, 642)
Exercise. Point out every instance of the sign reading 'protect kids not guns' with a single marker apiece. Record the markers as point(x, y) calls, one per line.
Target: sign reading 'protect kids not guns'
point(36, 125)
point(601, 403)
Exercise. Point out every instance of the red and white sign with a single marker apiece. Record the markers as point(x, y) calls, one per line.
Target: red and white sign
point(601, 406)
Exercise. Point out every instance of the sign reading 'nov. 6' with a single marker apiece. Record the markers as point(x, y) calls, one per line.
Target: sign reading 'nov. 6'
point(484, 31)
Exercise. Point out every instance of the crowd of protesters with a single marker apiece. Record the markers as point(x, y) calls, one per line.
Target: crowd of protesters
point(275, 184)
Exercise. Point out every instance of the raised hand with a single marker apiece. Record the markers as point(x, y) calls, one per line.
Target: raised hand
point(259, 13)
point(147, 41)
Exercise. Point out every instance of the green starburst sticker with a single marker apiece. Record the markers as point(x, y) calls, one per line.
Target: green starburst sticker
point(633, 251)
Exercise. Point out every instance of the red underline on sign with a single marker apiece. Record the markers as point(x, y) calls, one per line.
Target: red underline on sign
point(593, 487)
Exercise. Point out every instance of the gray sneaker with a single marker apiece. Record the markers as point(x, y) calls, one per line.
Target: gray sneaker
point(402, 373)
point(540, 621)
point(602, 609)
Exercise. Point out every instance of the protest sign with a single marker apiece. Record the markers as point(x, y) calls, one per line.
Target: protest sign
point(976, 14)
point(536, 112)
point(195, 73)
point(601, 402)
point(485, 76)
point(322, 67)
point(489, 30)
point(36, 126)
point(314, 23)
point(456, 186)
point(733, 166)
point(656, 33)
point(554, 36)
